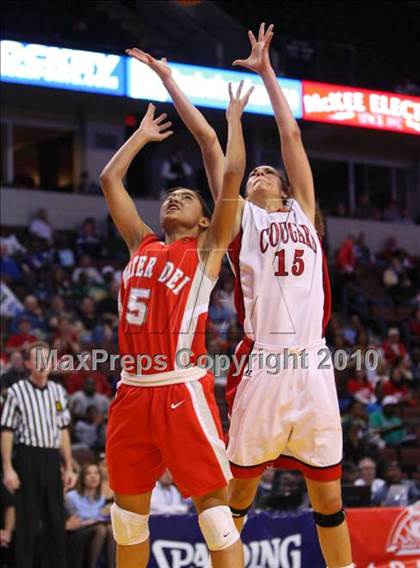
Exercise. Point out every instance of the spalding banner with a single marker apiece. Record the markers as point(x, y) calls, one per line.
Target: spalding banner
point(386, 537)
point(277, 540)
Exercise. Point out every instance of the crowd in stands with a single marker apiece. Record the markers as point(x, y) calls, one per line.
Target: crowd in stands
point(62, 287)
point(391, 212)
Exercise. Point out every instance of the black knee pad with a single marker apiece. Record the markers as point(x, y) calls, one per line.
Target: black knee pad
point(329, 521)
point(238, 513)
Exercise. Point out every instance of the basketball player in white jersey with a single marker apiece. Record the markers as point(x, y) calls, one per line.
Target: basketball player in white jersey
point(288, 418)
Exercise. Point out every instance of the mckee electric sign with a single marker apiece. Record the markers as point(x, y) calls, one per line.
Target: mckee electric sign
point(62, 68)
point(208, 87)
point(351, 106)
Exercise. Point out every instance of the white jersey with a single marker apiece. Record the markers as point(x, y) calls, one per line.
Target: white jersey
point(282, 292)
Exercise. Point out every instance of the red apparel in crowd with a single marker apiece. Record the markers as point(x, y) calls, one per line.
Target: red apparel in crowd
point(66, 343)
point(16, 341)
point(3, 361)
point(75, 380)
point(346, 257)
point(415, 328)
point(362, 389)
point(393, 351)
point(395, 389)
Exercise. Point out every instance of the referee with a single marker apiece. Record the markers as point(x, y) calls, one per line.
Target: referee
point(36, 417)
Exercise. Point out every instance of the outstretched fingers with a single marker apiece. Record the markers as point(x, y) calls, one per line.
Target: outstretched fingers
point(263, 35)
point(269, 31)
point(252, 38)
point(164, 126)
point(230, 90)
point(237, 95)
point(239, 89)
point(140, 55)
point(268, 39)
point(245, 99)
point(239, 63)
point(268, 36)
point(165, 135)
point(151, 110)
point(261, 32)
point(236, 101)
point(161, 117)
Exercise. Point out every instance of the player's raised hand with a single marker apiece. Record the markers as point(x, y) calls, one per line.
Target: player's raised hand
point(160, 67)
point(259, 59)
point(236, 102)
point(153, 128)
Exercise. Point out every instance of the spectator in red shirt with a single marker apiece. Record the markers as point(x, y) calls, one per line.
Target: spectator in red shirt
point(75, 380)
point(397, 385)
point(23, 338)
point(360, 387)
point(393, 348)
point(346, 257)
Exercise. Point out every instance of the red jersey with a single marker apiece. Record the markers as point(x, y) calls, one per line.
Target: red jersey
point(16, 341)
point(74, 381)
point(393, 351)
point(163, 305)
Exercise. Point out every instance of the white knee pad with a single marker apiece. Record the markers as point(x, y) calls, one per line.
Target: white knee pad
point(129, 528)
point(218, 528)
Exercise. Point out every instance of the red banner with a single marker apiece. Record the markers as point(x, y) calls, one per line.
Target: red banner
point(385, 537)
point(359, 107)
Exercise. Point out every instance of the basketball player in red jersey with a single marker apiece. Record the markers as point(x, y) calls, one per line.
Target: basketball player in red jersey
point(165, 414)
point(290, 418)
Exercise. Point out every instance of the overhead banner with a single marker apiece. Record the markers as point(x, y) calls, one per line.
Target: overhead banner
point(271, 540)
point(351, 106)
point(102, 73)
point(62, 68)
point(385, 537)
point(208, 87)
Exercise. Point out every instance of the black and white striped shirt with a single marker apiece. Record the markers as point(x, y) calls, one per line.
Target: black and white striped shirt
point(36, 414)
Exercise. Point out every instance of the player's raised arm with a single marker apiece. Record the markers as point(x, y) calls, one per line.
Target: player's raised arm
point(215, 240)
point(294, 155)
point(121, 206)
point(193, 119)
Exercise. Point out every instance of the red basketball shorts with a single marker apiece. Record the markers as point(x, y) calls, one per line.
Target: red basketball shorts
point(176, 427)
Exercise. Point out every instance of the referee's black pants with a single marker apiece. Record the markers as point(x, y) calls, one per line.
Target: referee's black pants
point(39, 509)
